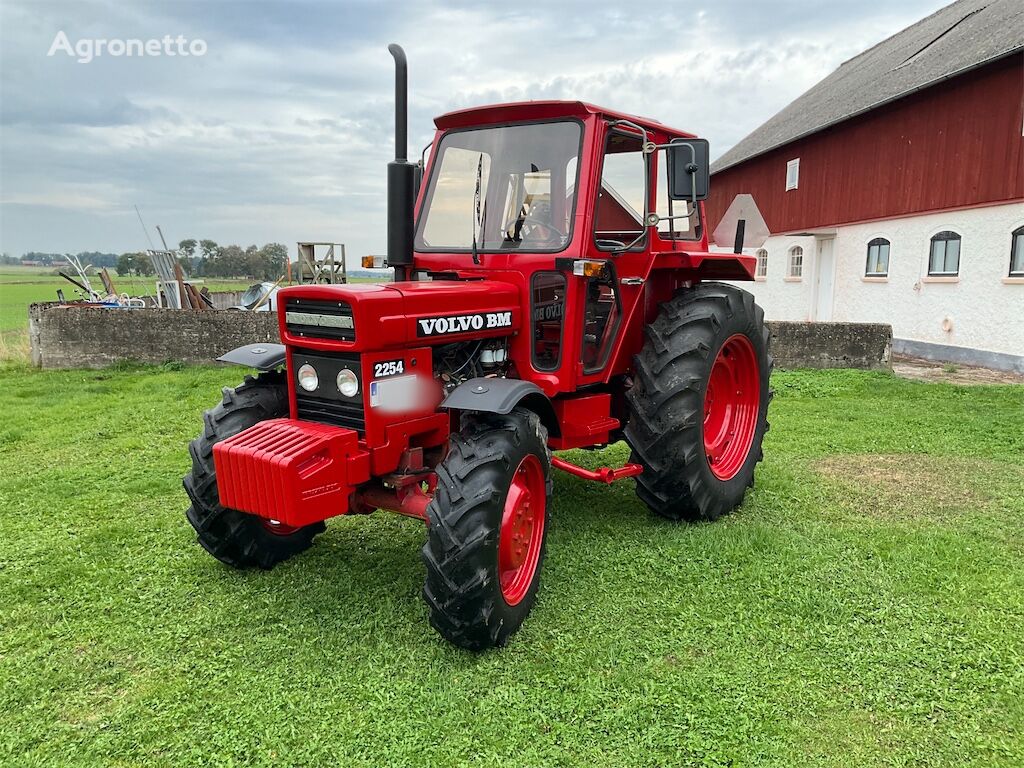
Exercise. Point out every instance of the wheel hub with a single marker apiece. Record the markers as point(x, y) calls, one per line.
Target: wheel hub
point(278, 528)
point(522, 530)
point(731, 404)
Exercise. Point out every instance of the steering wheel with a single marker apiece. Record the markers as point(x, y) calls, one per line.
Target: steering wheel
point(552, 232)
point(606, 243)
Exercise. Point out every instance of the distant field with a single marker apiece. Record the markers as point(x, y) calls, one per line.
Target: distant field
point(21, 286)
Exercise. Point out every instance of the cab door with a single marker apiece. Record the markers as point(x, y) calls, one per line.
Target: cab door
point(620, 240)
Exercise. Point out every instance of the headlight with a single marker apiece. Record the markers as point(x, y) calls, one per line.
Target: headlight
point(307, 378)
point(348, 384)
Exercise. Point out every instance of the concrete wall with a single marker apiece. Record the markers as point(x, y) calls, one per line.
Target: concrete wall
point(981, 311)
point(831, 345)
point(87, 337)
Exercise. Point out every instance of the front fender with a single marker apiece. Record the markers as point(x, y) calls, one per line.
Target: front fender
point(493, 395)
point(263, 357)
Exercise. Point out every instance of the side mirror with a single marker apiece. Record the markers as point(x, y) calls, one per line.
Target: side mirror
point(688, 169)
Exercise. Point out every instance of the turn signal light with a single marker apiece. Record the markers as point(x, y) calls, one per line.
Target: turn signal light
point(374, 262)
point(588, 268)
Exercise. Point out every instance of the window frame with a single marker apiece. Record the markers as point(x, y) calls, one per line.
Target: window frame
point(791, 253)
point(1015, 235)
point(938, 237)
point(641, 244)
point(561, 325)
point(793, 165)
point(878, 242)
point(759, 273)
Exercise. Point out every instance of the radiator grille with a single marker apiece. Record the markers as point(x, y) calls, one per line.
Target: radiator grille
point(320, 319)
point(325, 411)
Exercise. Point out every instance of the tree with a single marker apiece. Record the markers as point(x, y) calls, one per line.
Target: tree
point(227, 261)
point(136, 263)
point(275, 260)
point(209, 248)
point(98, 259)
point(188, 248)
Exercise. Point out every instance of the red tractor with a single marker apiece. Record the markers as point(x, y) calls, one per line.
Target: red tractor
point(553, 290)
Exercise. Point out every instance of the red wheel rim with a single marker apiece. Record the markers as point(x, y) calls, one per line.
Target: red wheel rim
point(522, 530)
point(731, 405)
point(277, 528)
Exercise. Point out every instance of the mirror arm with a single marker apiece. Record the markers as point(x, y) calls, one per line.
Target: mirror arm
point(651, 218)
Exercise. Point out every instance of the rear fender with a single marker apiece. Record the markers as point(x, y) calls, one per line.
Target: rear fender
point(501, 396)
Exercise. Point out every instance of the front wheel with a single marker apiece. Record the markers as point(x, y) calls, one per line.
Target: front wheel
point(487, 529)
point(233, 537)
point(699, 404)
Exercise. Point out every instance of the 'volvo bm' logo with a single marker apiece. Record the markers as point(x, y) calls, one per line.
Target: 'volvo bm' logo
point(436, 326)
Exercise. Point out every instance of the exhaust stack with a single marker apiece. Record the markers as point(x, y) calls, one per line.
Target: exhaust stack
point(401, 176)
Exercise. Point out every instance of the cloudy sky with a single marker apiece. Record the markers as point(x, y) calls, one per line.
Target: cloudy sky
point(282, 129)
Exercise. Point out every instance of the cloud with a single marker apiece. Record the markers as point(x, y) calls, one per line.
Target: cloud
point(282, 130)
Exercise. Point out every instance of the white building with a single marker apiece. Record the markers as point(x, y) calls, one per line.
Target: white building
point(897, 187)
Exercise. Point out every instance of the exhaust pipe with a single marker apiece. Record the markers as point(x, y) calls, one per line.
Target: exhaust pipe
point(401, 176)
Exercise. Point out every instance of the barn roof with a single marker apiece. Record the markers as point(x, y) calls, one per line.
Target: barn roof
point(953, 40)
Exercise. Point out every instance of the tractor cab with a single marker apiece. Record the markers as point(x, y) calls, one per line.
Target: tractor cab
point(583, 209)
point(553, 289)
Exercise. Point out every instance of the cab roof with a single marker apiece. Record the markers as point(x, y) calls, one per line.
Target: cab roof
point(527, 111)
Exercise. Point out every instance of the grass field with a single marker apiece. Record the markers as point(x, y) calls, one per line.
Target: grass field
point(864, 607)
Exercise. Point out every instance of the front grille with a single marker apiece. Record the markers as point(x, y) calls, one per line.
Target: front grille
point(320, 319)
point(331, 412)
point(326, 405)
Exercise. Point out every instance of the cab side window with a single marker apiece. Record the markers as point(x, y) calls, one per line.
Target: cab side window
point(547, 308)
point(621, 197)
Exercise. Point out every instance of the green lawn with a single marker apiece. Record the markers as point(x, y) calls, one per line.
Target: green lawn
point(864, 607)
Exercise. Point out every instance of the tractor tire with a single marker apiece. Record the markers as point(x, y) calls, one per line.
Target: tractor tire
point(236, 538)
point(487, 529)
point(699, 403)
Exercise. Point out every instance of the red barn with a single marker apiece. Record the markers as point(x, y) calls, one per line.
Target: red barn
point(895, 189)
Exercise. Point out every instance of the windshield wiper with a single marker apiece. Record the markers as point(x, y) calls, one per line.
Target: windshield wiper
point(477, 220)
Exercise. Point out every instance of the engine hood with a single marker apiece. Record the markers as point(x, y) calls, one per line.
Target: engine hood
point(392, 315)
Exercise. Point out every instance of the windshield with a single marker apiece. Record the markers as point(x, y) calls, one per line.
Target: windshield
point(511, 188)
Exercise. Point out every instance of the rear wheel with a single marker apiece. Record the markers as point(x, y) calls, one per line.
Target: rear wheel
point(236, 538)
point(698, 407)
point(487, 528)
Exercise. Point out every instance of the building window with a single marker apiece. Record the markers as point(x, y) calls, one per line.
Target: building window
point(792, 174)
point(796, 262)
point(1017, 253)
point(944, 259)
point(762, 263)
point(878, 258)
